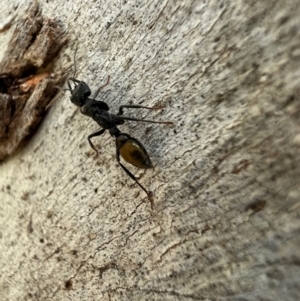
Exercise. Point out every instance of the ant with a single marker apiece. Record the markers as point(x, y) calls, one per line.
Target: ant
point(129, 148)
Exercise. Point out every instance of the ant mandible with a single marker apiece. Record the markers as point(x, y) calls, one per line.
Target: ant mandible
point(129, 148)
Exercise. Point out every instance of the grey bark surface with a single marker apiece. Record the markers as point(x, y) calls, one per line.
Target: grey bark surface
point(225, 223)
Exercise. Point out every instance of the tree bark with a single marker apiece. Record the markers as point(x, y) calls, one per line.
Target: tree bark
point(226, 184)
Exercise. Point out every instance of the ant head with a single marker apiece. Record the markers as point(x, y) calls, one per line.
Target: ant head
point(80, 93)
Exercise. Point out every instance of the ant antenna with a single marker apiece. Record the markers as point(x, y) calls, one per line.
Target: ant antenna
point(75, 53)
point(75, 61)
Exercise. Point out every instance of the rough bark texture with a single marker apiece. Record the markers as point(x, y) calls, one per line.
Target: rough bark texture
point(225, 223)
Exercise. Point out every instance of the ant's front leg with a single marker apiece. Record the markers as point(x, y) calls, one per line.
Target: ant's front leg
point(95, 135)
point(159, 107)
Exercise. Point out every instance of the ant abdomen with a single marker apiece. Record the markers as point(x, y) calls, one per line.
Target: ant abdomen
point(133, 152)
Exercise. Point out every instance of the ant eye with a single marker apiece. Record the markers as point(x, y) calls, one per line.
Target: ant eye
point(87, 94)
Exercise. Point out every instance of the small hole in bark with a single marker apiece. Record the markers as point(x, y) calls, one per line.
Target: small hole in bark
point(68, 284)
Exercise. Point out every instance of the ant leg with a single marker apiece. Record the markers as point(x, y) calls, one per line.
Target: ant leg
point(100, 88)
point(95, 135)
point(138, 107)
point(130, 174)
point(133, 177)
point(121, 117)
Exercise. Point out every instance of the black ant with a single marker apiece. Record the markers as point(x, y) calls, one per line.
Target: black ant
point(130, 149)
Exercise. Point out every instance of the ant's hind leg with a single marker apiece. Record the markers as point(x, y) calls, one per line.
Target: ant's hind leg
point(138, 107)
point(95, 135)
point(121, 117)
point(130, 174)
